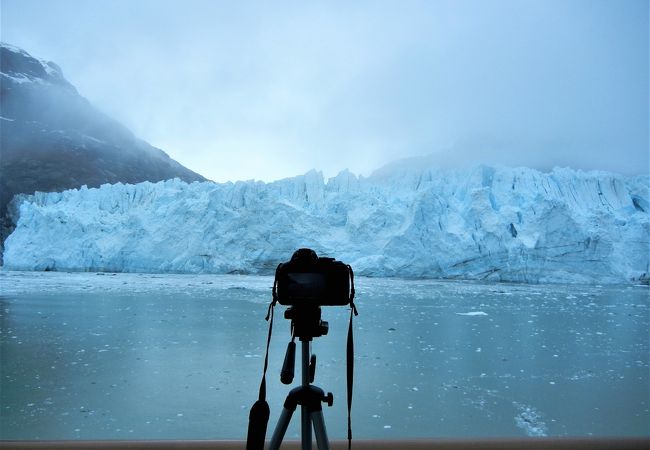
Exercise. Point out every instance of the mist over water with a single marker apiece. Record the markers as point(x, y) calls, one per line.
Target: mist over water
point(131, 356)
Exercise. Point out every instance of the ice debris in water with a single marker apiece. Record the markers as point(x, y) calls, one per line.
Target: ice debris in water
point(473, 313)
point(530, 420)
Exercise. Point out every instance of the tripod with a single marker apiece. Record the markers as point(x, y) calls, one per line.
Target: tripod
point(308, 396)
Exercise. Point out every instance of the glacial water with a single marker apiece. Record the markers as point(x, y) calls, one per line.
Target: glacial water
point(135, 356)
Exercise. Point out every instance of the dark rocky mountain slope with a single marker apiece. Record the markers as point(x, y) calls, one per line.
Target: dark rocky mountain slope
point(52, 139)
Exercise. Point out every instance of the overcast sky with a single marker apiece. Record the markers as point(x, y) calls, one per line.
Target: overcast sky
point(241, 90)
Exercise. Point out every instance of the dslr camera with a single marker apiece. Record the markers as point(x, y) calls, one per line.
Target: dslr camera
point(310, 280)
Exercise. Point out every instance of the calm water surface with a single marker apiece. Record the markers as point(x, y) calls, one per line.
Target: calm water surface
point(93, 356)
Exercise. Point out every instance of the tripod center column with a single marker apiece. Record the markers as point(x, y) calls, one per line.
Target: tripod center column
point(305, 361)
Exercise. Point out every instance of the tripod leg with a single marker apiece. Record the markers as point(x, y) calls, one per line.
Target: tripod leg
point(305, 427)
point(319, 430)
point(280, 429)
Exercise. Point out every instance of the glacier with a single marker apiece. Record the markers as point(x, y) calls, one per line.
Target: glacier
point(488, 223)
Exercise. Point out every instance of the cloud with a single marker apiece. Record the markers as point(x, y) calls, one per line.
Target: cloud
point(256, 90)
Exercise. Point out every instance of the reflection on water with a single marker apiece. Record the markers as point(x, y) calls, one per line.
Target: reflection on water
point(180, 356)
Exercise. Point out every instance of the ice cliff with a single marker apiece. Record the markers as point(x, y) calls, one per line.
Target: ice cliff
point(496, 223)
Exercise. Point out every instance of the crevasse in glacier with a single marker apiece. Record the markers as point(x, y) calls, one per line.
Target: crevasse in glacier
point(496, 223)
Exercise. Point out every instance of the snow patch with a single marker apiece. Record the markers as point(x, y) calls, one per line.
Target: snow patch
point(22, 78)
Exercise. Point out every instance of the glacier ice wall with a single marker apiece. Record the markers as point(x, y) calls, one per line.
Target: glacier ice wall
point(496, 223)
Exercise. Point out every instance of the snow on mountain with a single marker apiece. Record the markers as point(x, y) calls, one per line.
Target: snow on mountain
point(20, 67)
point(507, 224)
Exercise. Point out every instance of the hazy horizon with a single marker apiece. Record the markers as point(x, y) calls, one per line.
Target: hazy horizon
point(258, 91)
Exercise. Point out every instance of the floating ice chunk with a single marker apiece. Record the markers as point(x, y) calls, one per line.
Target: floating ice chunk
point(473, 313)
point(530, 420)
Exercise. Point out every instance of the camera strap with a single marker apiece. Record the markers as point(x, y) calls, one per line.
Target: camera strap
point(269, 319)
point(259, 415)
point(350, 357)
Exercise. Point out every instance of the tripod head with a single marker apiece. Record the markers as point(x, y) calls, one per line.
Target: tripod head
point(306, 322)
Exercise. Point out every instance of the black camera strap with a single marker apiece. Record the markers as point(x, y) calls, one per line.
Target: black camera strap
point(258, 418)
point(268, 318)
point(350, 357)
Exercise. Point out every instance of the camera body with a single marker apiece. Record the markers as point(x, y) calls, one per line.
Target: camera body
point(309, 280)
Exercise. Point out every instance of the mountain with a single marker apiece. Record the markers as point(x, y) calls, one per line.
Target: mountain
point(52, 139)
point(493, 223)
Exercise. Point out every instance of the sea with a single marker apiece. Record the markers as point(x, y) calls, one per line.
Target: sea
point(173, 356)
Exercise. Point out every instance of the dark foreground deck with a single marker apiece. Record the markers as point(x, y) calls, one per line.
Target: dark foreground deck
point(406, 444)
